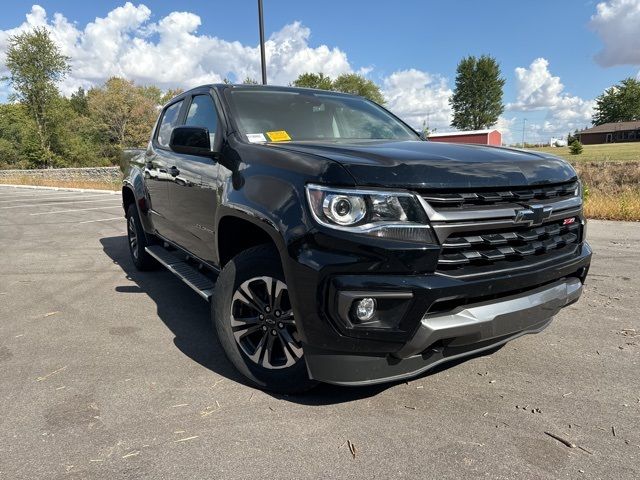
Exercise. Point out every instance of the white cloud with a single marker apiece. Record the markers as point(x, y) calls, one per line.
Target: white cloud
point(617, 23)
point(506, 127)
point(418, 97)
point(537, 89)
point(127, 43)
point(288, 55)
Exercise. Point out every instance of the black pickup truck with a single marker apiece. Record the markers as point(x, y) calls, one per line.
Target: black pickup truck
point(336, 244)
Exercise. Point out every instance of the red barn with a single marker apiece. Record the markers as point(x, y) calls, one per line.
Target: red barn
point(482, 137)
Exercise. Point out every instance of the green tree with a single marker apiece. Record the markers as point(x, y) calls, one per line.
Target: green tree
point(358, 85)
point(477, 99)
point(79, 101)
point(35, 66)
point(572, 136)
point(346, 83)
point(249, 81)
point(314, 80)
point(75, 139)
point(620, 103)
point(19, 143)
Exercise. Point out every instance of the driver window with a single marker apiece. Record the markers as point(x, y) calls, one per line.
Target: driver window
point(202, 113)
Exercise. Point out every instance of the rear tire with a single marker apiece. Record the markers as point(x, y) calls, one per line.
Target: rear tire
point(254, 322)
point(137, 240)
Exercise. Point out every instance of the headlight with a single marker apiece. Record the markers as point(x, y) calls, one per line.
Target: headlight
point(579, 192)
point(392, 215)
point(344, 209)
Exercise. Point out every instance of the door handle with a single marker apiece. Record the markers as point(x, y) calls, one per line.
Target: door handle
point(174, 172)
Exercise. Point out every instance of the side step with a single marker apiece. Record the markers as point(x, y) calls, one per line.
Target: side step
point(185, 272)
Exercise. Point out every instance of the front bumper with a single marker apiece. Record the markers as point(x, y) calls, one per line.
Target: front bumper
point(439, 338)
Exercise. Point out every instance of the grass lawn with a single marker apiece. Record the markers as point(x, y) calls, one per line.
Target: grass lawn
point(611, 152)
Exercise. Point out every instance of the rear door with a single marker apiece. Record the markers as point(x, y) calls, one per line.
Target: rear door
point(193, 195)
point(159, 160)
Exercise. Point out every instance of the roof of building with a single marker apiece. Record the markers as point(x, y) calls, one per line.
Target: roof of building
point(612, 127)
point(466, 132)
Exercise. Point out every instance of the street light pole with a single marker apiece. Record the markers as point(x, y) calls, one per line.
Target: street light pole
point(524, 123)
point(261, 21)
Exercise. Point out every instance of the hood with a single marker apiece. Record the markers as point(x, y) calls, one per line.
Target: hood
point(431, 165)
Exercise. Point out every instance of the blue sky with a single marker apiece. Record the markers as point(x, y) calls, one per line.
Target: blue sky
point(423, 39)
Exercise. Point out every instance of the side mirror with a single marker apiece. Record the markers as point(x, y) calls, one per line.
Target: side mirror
point(191, 141)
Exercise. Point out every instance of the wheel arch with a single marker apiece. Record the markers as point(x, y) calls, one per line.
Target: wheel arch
point(238, 231)
point(128, 197)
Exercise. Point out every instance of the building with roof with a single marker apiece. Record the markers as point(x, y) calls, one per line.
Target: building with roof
point(482, 137)
point(615, 132)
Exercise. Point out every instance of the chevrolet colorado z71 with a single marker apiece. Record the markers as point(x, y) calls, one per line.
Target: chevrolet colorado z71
point(335, 244)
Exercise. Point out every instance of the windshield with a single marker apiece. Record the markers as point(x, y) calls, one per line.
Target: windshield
point(266, 115)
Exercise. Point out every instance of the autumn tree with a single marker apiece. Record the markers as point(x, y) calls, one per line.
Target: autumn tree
point(36, 66)
point(124, 112)
point(169, 94)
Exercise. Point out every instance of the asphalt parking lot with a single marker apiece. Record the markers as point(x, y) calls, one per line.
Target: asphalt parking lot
point(109, 373)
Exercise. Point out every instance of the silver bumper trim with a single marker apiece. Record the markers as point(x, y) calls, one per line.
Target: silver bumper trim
point(483, 321)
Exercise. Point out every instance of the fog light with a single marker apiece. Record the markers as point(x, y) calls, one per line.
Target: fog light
point(365, 309)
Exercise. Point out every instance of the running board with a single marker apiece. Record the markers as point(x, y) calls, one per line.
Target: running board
point(202, 284)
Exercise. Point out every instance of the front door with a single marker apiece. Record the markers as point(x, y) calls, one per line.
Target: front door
point(193, 195)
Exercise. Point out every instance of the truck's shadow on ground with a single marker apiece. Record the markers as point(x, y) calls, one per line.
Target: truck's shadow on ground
point(187, 316)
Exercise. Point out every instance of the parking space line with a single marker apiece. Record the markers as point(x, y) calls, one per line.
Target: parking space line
point(58, 203)
point(101, 220)
point(58, 197)
point(40, 190)
point(26, 194)
point(74, 210)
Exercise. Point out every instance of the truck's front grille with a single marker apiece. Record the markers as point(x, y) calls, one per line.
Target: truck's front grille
point(474, 251)
point(447, 200)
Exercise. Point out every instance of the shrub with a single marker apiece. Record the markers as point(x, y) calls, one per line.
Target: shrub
point(575, 148)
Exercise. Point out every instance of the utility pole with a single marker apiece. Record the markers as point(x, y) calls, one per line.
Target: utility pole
point(524, 123)
point(262, 61)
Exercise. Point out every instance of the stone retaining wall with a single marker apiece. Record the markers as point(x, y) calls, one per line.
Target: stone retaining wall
point(607, 176)
point(93, 174)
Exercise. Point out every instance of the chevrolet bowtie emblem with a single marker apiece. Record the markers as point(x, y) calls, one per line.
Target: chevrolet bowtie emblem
point(533, 214)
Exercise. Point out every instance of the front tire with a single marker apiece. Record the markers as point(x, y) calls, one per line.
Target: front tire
point(254, 322)
point(137, 241)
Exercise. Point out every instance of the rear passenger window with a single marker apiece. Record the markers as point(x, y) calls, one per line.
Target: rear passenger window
point(169, 120)
point(202, 113)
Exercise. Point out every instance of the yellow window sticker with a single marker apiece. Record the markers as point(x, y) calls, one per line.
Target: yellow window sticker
point(278, 136)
